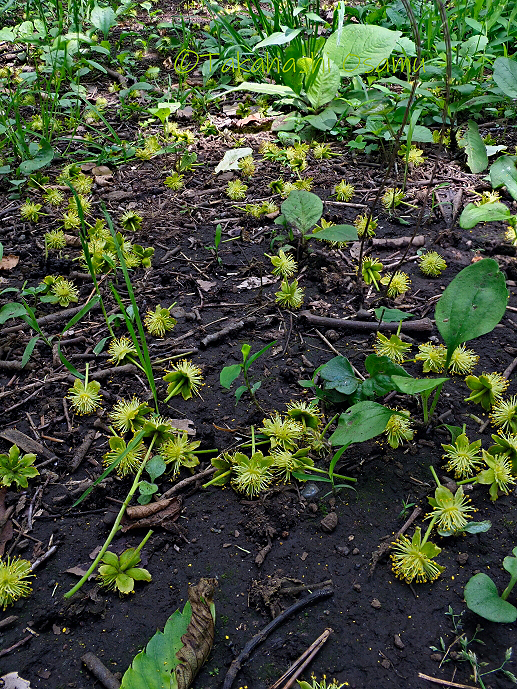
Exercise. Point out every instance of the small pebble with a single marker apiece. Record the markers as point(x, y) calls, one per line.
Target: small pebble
point(386, 664)
point(355, 551)
point(332, 335)
point(313, 507)
point(342, 550)
point(462, 558)
point(329, 523)
point(397, 642)
point(436, 657)
point(357, 587)
point(376, 604)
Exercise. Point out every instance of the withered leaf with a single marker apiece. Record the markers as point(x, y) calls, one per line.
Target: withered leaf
point(141, 511)
point(9, 262)
point(165, 518)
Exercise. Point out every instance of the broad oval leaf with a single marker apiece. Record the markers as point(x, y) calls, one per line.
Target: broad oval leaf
point(339, 375)
point(488, 212)
point(229, 374)
point(475, 148)
point(103, 18)
point(337, 233)
point(482, 598)
point(43, 157)
point(414, 386)
point(361, 422)
point(472, 304)
point(360, 48)
point(505, 76)
point(302, 209)
point(11, 310)
point(478, 527)
point(324, 85)
point(510, 565)
point(231, 159)
point(279, 38)
point(504, 173)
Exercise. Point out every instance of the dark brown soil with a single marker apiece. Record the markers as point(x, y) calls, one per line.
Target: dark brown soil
point(220, 534)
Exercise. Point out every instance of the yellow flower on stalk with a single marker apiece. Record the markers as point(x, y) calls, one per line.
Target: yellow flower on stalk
point(498, 475)
point(393, 347)
point(130, 462)
point(486, 389)
point(284, 264)
point(236, 190)
point(464, 458)
point(371, 271)
point(282, 432)
point(504, 414)
point(179, 451)
point(450, 511)
point(247, 166)
point(184, 378)
point(398, 284)
point(290, 295)
point(413, 560)
point(398, 429)
point(30, 211)
point(344, 191)
point(251, 475)
point(14, 584)
point(463, 360)
point(119, 349)
point(415, 155)
point(159, 321)
point(84, 396)
point(129, 415)
point(174, 181)
point(432, 356)
point(392, 198)
point(432, 264)
point(55, 239)
point(65, 292)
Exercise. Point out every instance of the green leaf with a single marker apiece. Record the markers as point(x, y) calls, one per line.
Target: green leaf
point(482, 598)
point(124, 583)
point(339, 375)
point(27, 353)
point(147, 488)
point(231, 159)
point(505, 76)
point(414, 386)
point(478, 527)
point(267, 89)
point(155, 467)
point(78, 316)
point(324, 85)
point(279, 38)
point(488, 212)
point(139, 574)
point(504, 173)
point(391, 315)
point(43, 157)
point(11, 310)
point(324, 121)
point(510, 565)
point(360, 48)
point(239, 393)
point(472, 304)
point(254, 357)
point(302, 209)
point(477, 158)
point(361, 422)
point(229, 374)
point(337, 233)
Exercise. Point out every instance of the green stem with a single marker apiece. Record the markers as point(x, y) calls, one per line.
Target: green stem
point(508, 589)
point(116, 525)
point(217, 478)
point(322, 471)
point(433, 472)
point(136, 363)
point(174, 391)
point(429, 529)
point(136, 555)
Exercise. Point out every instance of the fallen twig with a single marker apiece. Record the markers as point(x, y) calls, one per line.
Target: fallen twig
point(445, 682)
point(5, 651)
point(229, 330)
point(424, 325)
point(81, 451)
point(385, 547)
point(264, 633)
point(301, 663)
point(44, 557)
point(99, 671)
point(187, 481)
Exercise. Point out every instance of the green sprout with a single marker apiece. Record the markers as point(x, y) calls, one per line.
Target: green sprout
point(371, 271)
point(120, 573)
point(174, 181)
point(17, 468)
point(130, 220)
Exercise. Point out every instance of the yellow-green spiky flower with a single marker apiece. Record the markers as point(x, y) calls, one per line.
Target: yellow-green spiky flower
point(55, 239)
point(414, 560)
point(432, 356)
point(398, 429)
point(362, 225)
point(84, 396)
point(306, 413)
point(463, 360)
point(498, 475)
point(371, 271)
point(65, 292)
point(130, 220)
point(504, 414)
point(71, 220)
point(30, 211)
point(304, 184)
point(159, 321)
point(82, 184)
point(344, 191)
point(296, 157)
point(282, 432)
point(174, 181)
point(119, 349)
point(392, 347)
point(488, 197)
point(486, 389)
point(251, 475)
point(432, 264)
point(290, 295)
point(247, 166)
point(86, 204)
point(130, 463)
point(129, 415)
point(184, 378)
point(450, 511)
point(53, 197)
point(236, 190)
point(398, 284)
point(464, 458)
point(14, 580)
point(392, 198)
point(285, 462)
point(415, 156)
point(322, 151)
point(179, 452)
point(284, 264)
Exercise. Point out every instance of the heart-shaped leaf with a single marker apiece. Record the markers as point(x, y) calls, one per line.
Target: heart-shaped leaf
point(482, 598)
